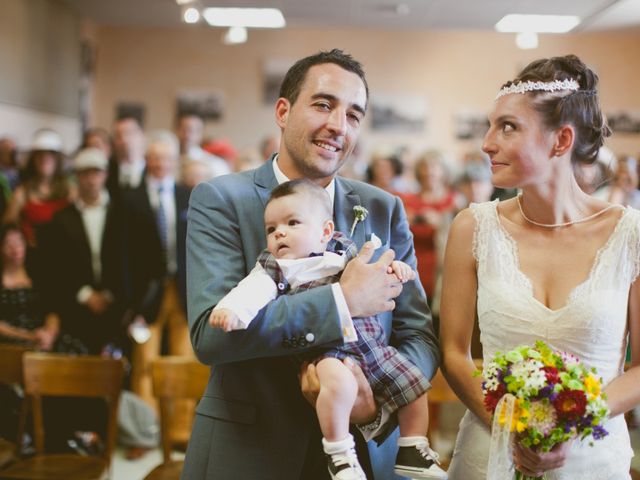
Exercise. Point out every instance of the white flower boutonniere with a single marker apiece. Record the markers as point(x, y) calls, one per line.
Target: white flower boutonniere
point(360, 214)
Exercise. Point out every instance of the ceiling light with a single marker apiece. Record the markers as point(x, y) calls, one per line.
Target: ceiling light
point(184, 2)
point(537, 23)
point(527, 40)
point(244, 17)
point(191, 15)
point(235, 35)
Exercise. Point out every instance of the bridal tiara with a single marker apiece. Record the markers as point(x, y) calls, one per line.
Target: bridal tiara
point(529, 86)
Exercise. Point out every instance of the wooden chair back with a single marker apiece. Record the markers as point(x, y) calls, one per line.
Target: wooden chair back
point(11, 363)
point(176, 378)
point(48, 374)
point(11, 372)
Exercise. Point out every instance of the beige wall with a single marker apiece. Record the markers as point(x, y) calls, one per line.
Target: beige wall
point(451, 70)
point(39, 69)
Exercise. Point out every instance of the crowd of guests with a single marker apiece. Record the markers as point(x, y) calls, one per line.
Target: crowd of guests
point(92, 245)
point(86, 265)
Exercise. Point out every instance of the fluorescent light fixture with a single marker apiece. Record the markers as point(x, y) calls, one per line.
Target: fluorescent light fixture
point(184, 2)
point(527, 40)
point(244, 17)
point(191, 15)
point(235, 35)
point(537, 23)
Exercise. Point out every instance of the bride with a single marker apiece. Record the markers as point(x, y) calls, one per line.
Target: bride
point(552, 264)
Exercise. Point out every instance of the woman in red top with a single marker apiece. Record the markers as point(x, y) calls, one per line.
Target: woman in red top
point(44, 188)
point(430, 212)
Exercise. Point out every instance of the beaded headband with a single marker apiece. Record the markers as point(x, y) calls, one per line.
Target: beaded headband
point(529, 86)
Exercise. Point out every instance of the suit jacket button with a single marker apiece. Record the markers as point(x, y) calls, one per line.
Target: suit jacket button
point(281, 286)
point(310, 337)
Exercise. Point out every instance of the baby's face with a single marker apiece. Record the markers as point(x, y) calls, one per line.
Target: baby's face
point(294, 227)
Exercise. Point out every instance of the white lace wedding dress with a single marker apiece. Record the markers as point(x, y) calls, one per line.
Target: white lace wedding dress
point(592, 326)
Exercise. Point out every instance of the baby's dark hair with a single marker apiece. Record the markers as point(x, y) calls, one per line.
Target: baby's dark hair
point(579, 108)
point(306, 187)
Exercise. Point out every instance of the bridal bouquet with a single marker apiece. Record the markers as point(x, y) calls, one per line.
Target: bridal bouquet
point(543, 396)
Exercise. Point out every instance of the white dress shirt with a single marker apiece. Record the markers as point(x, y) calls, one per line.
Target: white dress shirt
point(130, 173)
point(94, 218)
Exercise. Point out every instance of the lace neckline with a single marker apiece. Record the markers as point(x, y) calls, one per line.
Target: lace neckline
point(526, 281)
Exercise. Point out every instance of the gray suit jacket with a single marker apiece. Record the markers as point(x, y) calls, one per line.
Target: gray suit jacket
point(253, 422)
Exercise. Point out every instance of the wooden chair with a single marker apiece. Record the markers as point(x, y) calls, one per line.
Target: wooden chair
point(174, 378)
point(58, 375)
point(11, 374)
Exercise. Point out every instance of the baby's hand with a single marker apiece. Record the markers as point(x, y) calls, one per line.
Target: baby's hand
point(225, 319)
point(402, 271)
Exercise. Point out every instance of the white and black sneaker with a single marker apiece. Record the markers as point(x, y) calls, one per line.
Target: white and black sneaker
point(345, 466)
point(418, 462)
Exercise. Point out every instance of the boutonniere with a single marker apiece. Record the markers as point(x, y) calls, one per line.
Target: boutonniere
point(360, 213)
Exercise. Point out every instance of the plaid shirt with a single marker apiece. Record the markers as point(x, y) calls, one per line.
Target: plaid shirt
point(394, 379)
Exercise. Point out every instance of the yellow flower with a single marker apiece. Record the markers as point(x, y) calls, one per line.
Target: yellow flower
point(592, 385)
point(520, 418)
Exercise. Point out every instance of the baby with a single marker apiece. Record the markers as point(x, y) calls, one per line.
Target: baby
point(303, 251)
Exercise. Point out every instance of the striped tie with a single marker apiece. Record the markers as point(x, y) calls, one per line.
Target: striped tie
point(161, 219)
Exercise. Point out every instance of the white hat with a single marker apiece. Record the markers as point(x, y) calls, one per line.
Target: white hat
point(46, 139)
point(89, 158)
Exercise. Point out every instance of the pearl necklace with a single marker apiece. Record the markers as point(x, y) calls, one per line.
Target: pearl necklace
point(565, 224)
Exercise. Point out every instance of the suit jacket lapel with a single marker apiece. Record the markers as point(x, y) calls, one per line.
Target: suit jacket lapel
point(265, 180)
point(345, 199)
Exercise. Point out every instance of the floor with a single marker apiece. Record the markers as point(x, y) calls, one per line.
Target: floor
point(124, 469)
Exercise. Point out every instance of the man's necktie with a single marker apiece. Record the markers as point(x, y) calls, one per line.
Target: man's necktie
point(161, 219)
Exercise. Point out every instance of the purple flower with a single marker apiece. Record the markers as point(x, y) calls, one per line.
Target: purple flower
point(599, 432)
point(546, 392)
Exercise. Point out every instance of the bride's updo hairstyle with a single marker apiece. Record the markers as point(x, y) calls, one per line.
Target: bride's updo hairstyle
point(580, 107)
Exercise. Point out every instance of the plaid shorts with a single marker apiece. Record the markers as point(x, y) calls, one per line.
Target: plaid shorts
point(394, 379)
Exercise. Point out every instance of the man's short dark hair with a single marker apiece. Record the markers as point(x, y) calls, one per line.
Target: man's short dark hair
point(306, 187)
point(296, 75)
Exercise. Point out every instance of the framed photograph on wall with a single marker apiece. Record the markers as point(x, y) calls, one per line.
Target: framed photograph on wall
point(624, 122)
point(207, 104)
point(468, 124)
point(273, 72)
point(398, 113)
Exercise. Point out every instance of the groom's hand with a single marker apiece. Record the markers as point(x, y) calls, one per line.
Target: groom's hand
point(368, 288)
point(364, 409)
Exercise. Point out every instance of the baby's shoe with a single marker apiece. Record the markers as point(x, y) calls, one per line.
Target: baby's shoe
point(416, 460)
point(342, 460)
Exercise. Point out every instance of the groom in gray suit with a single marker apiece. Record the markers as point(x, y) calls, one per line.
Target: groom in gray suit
point(254, 422)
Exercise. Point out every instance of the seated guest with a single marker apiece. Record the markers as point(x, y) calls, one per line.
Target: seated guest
point(84, 243)
point(23, 319)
